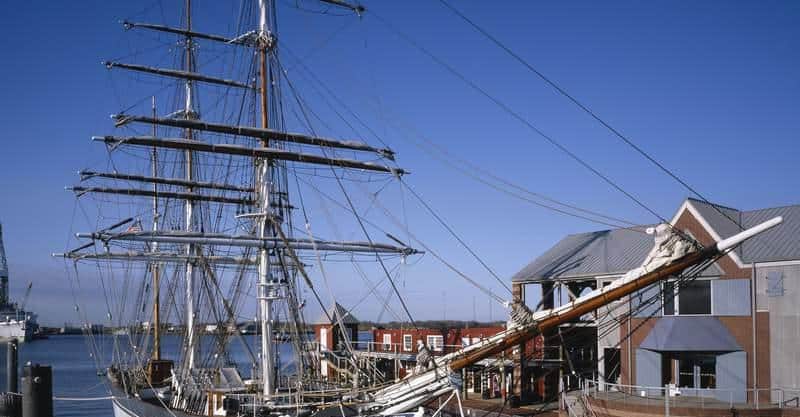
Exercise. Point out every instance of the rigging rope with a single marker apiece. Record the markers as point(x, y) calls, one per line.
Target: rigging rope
point(350, 202)
point(453, 233)
point(585, 109)
point(503, 106)
point(340, 104)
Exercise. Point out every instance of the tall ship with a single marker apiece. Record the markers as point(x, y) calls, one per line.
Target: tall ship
point(15, 322)
point(222, 201)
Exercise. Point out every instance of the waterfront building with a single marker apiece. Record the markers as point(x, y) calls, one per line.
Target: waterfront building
point(731, 331)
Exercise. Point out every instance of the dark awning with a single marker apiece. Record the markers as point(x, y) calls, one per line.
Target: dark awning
point(690, 333)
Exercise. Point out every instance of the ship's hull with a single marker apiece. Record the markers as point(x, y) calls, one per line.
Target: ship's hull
point(128, 406)
point(21, 330)
point(134, 407)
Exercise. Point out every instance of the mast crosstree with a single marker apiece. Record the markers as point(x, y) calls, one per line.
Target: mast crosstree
point(200, 172)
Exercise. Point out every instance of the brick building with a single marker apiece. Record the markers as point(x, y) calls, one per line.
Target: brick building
point(329, 336)
point(734, 327)
point(490, 378)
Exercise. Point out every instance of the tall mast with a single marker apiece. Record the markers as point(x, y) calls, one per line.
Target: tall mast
point(189, 204)
point(155, 267)
point(266, 289)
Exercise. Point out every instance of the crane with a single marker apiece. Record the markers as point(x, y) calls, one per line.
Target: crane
point(27, 294)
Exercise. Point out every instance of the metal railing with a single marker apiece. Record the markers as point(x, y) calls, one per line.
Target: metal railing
point(400, 348)
point(670, 396)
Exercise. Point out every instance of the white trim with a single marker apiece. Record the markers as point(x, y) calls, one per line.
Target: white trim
point(776, 263)
point(323, 338)
point(434, 346)
point(410, 347)
point(609, 276)
point(687, 205)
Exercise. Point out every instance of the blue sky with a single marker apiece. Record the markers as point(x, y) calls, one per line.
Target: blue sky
point(710, 89)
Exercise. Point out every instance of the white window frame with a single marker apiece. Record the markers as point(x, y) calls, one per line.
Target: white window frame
point(408, 343)
point(436, 347)
point(387, 341)
point(323, 338)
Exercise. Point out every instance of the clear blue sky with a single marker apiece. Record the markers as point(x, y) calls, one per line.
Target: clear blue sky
point(711, 89)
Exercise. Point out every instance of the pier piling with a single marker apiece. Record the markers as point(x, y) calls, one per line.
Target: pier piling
point(37, 391)
point(12, 356)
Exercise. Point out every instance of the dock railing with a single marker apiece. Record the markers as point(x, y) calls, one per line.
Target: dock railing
point(400, 348)
point(670, 396)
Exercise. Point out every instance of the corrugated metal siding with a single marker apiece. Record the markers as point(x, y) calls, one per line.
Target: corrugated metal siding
point(595, 253)
point(730, 297)
point(778, 244)
point(721, 223)
point(643, 297)
point(784, 325)
point(648, 368)
point(620, 250)
point(732, 375)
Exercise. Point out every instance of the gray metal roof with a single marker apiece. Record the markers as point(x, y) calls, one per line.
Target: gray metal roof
point(333, 312)
point(682, 334)
point(609, 252)
point(779, 244)
point(595, 253)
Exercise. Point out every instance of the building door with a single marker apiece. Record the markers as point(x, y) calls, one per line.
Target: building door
point(697, 371)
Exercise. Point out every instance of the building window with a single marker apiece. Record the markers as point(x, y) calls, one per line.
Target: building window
point(695, 298)
point(436, 343)
point(669, 298)
point(690, 298)
point(407, 343)
point(387, 341)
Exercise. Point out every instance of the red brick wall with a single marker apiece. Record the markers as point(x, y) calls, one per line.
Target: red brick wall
point(687, 222)
point(452, 336)
point(329, 341)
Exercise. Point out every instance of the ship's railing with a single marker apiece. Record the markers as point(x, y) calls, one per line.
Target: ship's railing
point(252, 401)
point(670, 396)
point(17, 315)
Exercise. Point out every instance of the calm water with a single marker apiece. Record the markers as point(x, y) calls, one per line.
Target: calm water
point(75, 368)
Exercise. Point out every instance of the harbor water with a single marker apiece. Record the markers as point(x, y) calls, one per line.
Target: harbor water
point(75, 367)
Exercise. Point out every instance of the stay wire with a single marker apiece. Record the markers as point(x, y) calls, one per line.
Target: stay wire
point(433, 253)
point(517, 116)
point(453, 233)
point(585, 109)
point(350, 203)
point(452, 164)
